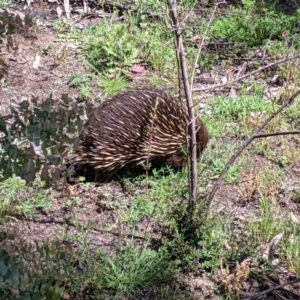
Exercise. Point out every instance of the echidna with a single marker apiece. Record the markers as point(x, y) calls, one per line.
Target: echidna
point(133, 128)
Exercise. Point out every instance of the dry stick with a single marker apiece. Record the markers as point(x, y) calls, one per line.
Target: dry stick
point(191, 138)
point(177, 55)
point(237, 77)
point(273, 288)
point(246, 144)
point(201, 43)
point(247, 75)
point(275, 134)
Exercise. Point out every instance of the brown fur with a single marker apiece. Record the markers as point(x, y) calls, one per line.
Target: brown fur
point(133, 127)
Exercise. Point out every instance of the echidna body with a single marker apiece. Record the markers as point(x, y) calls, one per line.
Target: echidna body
point(133, 128)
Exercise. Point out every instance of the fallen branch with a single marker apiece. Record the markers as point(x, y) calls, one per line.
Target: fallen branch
point(246, 75)
point(263, 135)
point(277, 287)
point(248, 141)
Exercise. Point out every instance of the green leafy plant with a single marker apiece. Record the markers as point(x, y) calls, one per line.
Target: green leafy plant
point(9, 274)
point(12, 23)
point(38, 137)
point(83, 82)
point(111, 47)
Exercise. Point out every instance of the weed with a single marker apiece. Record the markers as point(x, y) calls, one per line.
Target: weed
point(111, 87)
point(146, 6)
point(79, 80)
point(155, 202)
point(196, 245)
point(232, 282)
point(84, 93)
point(259, 89)
point(232, 176)
point(292, 113)
point(290, 247)
point(133, 267)
point(262, 147)
point(141, 208)
point(296, 196)
point(45, 49)
point(18, 199)
point(269, 181)
point(217, 158)
point(82, 81)
point(111, 48)
point(70, 202)
point(61, 26)
point(193, 244)
point(272, 221)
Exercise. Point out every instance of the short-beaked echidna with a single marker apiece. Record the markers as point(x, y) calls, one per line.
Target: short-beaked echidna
point(133, 128)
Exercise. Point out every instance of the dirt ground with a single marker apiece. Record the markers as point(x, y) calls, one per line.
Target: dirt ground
point(31, 71)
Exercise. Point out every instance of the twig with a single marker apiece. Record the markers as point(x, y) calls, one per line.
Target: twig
point(246, 75)
point(237, 77)
point(247, 143)
point(263, 135)
point(191, 130)
point(202, 42)
point(277, 287)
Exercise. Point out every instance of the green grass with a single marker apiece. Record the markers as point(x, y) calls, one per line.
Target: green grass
point(254, 27)
point(238, 109)
point(155, 203)
point(196, 240)
point(291, 113)
point(133, 268)
point(17, 199)
point(230, 117)
point(272, 221)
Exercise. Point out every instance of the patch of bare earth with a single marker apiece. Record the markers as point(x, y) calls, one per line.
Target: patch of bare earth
point(32, 61)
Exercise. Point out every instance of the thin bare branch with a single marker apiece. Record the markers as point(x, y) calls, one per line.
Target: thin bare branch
point(191, 130)
point(247, 143)
point(264, 135)
point(216, 86)
point(202, 42)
